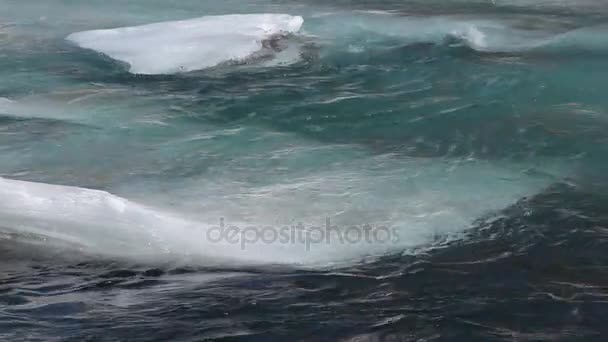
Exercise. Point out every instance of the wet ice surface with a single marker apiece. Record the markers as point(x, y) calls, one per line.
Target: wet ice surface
point(188, 45)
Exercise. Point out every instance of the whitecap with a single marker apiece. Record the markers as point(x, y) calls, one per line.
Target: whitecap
point(488, 34)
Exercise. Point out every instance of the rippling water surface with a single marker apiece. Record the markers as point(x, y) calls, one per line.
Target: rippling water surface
point(391, 171)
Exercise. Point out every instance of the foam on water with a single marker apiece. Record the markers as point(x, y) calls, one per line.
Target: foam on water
point(481, 33)
point(187, 45)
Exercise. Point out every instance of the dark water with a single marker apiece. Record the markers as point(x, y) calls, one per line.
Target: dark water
point(538, 273)
point(476, 130)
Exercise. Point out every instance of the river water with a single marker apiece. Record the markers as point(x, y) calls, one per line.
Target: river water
point(365, 171)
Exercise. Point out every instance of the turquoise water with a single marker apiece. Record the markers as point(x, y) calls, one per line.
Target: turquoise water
point(392, 171)
point(422, 117)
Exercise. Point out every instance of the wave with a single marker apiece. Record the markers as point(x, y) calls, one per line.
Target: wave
point(513, 41)
point(490, 34)
point(196, 44)
point(188, 45)
point(413, 206)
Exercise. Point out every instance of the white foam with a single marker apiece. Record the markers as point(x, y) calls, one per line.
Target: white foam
point(482, 33)
point(500, 37)
point(187, 45)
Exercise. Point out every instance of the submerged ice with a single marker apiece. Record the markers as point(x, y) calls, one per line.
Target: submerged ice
point(417, 200)
point(188, 45)
point(273, 146)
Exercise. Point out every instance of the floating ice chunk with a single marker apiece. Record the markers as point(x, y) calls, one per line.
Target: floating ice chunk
point(417, 200)
point(4, 103)
point(188, 45)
